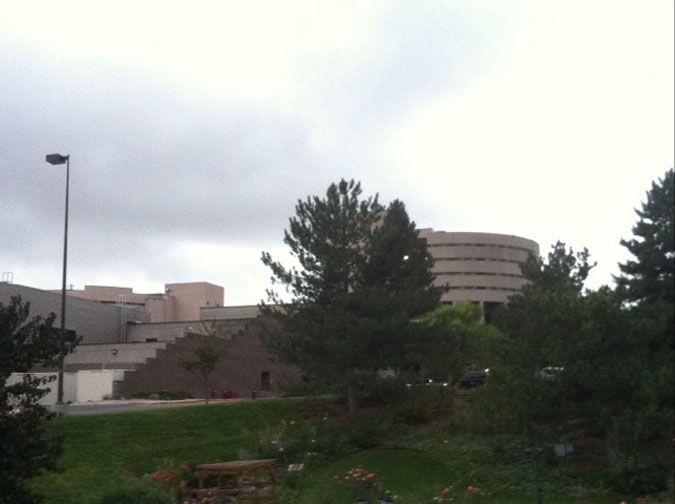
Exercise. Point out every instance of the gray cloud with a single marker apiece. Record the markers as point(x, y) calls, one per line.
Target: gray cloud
point(147, 163)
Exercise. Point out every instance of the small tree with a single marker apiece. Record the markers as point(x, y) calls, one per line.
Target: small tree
point(25, 449)
point(363, 275)
point(207, 354)
point(458, 337)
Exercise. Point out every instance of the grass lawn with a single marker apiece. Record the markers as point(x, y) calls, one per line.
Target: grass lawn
point(99, 448)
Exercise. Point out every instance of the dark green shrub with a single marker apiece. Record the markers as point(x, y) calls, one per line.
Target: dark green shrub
point(637, 475)
point(334, 440)
point(305, 388)
point(425, 404)
point(366, 432)
point(137, 491)
point(386, 391)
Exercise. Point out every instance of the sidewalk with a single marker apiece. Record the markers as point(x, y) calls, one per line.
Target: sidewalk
point(126, 405)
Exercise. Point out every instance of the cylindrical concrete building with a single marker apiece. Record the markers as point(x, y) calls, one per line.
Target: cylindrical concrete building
point(480, 267)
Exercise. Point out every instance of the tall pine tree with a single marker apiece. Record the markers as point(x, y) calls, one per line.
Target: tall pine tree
point(649, 277)
point(647, 282)
point(363, 276)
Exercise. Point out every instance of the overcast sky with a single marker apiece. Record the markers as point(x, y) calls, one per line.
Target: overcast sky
point(194, 127)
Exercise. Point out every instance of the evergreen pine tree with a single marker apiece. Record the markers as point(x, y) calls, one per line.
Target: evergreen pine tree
point(649, 277)
point(363, 276)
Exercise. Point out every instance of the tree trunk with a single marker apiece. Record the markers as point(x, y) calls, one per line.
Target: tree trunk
point(352, 402)
point(612, 439)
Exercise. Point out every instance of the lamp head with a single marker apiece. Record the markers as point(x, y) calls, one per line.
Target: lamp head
point(56, 159)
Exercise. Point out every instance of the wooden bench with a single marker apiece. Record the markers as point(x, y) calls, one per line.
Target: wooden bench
point(249, 479)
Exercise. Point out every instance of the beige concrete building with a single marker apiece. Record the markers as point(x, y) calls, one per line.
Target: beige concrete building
point(121, 352)
point(480, 267)
point(179, 302)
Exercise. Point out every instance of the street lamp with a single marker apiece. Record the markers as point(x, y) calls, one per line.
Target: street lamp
point(58, 159)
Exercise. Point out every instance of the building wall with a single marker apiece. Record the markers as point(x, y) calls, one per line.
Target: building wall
point(190, 297)
point(80, 386)
point(96, 385)
point(162, 309)
point(112, 355)
point(169, 331)
point(69, 386)
point(241, 371)
point(94, 322)
point(229, 312)
point(104, 294)
point(479, 267)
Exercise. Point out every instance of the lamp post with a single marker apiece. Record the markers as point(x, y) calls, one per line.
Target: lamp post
point(58, 159)
point(537, 454)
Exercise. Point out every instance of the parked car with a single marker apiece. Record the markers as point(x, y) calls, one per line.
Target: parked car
point(427, 383)
point(473, 379)
point(551, 373)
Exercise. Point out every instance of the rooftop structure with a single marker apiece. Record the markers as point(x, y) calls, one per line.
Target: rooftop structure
point(178, 302)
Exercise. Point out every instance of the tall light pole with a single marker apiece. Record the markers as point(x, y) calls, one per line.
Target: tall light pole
point(58, 159)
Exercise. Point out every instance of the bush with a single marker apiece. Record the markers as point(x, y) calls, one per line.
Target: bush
point(137, 491)
point(386, 391)
point(637, 475)
point(305, 388)
point(368, 431)
point(425, 404)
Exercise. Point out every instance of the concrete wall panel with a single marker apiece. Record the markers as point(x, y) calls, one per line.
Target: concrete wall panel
point(109, 355)
point(69, 386)
point(95, 385)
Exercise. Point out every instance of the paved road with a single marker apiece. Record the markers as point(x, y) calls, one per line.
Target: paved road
point(104, 407)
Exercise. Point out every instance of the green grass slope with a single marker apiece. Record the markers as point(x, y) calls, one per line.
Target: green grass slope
point(99, 448)
point(415, 464)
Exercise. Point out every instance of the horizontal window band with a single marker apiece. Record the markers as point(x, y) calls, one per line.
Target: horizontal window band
point(503, 289)
point(490, 245)
point(482, 259)
point(476, 273)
